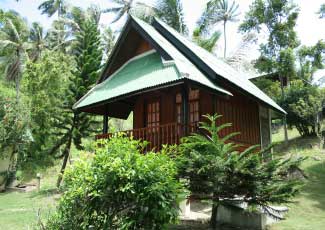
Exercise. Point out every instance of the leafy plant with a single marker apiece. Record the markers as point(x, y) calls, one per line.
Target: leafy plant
point(14, 134)
point(119, 188)
point(218, 172)
point(303, 102)
point(219, 11)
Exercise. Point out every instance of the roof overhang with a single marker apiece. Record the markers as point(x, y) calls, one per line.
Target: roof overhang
point(201, 64)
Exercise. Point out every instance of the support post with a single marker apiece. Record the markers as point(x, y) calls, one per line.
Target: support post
point(185, 114)
point(214, 104)
point(105, 124)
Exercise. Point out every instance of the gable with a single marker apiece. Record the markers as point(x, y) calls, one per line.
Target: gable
point(217, 70)
point(136, 42)
point(133, 45)
point(132, 42)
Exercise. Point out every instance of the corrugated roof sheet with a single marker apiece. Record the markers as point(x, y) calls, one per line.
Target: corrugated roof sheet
point(185, 66)
point(222, 69)
point(144, 71)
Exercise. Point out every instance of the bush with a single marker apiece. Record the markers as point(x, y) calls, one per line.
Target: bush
point(303, 103)
point(119, 188)
point(14, 135)
point(218, 172)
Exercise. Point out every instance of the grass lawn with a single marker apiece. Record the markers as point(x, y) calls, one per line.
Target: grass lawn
point(19, 210)
point(308, 210)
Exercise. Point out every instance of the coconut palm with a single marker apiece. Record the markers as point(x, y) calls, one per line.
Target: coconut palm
point(58, 37)
point(206, 43)
point(108, 41)
point(37, 38)
point(171, 12)
point(13, 47)
point(220, 11)
point(125, 7)
point(51, 7)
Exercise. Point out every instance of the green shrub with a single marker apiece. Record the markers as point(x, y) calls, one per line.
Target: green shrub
point(218, 172)
point(119, 188)
point(302, 102)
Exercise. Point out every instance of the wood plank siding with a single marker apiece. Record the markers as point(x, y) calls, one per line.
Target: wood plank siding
point(242, 112)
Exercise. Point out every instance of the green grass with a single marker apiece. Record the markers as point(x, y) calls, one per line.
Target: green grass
point(19, 210)
point(279, 135)
point(308, 210)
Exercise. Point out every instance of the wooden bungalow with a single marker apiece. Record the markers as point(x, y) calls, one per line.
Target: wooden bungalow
point(169, 83)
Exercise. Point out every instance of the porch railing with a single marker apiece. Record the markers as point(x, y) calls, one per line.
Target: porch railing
point(156, 136)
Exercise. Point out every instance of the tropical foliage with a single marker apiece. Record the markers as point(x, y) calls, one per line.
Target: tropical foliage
point(219, 11)
point(51, 7)
point(218, 172)
point(303, 103)
point(119, 188)
point(14, 45)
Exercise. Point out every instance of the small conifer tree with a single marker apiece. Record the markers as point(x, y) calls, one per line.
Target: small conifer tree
point(218, 172)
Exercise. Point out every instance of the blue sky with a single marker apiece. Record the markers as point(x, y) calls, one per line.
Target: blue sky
point(310, 28)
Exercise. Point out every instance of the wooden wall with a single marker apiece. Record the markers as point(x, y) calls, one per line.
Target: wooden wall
point(166, 98)
point(133, 45)
point(242, 112)
point(244, 116)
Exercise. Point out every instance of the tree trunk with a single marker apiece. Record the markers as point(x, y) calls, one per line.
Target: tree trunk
point(65, 160)
point(225, 38)
point(213, 220)
point(286, 139)
point(17, 85)
point(284, 120)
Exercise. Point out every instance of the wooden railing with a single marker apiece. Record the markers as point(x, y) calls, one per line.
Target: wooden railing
point(157, 136)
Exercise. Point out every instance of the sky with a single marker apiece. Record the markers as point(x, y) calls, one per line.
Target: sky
point(309, 27)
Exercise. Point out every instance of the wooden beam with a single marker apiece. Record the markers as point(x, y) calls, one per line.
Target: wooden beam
point(105, 124)
point(185, 108)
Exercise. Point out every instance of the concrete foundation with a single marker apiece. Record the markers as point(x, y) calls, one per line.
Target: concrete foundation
point(234, 215)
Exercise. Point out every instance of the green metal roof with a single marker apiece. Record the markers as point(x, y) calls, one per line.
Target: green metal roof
point(141, 72)
point(220, 68)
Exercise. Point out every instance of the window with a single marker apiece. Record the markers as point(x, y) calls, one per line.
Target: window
point(194, 111)
point(179, 108)
point(153, 115)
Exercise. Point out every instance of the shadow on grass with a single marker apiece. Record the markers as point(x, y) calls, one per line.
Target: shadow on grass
point(315, 186)
point(301, 143)
point(199, 226)
point(45, 193)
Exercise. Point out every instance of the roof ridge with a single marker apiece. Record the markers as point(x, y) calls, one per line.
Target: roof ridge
point(211, 65)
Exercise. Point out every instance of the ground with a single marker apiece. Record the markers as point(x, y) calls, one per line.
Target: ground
point(19, 210)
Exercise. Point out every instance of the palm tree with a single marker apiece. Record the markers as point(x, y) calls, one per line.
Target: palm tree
point(126, 7)
point(13, 47)
point(108, 41)
point(206, 43)
point(50, 7)
point(171, 12)
point(220, 11)
point(37, 37)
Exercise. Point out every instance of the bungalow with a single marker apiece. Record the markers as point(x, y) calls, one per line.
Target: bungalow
point(169, 83)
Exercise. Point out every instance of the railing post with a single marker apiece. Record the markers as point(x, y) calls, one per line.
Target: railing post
point(185, 109)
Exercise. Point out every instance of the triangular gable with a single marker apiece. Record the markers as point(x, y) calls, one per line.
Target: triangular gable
point(138, 33)
point(217, 70)
point(133, 41)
